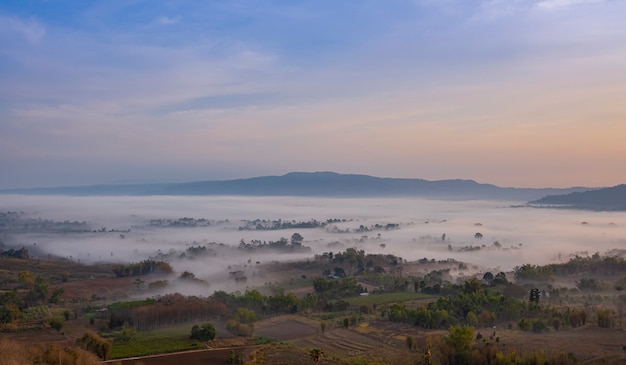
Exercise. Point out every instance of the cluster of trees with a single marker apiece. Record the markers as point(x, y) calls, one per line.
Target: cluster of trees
point(165, 311)
point(283, 244)
point(476, 304)
point(533, 273)
point(329, 224)
point(589, 265)
point(144, 267)
point(241, 322)
point(266, 225)
point(191, 252)
point(22, 253)
point(595, 264)
point(180, 222)
point(357, 262)
point(22, 222)
point(33, 291)
point(377, 227)
point(337, 288)
point(460, 348)
point(276, 303)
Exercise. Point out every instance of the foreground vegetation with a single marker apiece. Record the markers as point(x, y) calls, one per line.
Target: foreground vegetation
point(444, 320)
point(15, 353)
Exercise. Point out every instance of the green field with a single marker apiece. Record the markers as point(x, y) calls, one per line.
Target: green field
point(387, 298)
point(159, 341)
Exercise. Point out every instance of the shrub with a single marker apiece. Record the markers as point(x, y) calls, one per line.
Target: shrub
point(538, 325)
point(92, 342)
point(205, 332)
point(56, 323)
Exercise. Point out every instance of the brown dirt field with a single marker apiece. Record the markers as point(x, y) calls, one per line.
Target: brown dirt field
point(384, 339)
point(37, 337)
point(110, 288)
point(591, 344)
point(284, 328)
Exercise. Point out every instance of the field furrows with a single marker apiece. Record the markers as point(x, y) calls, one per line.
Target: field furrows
point(342, 341)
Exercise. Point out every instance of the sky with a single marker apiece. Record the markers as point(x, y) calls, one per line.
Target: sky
point(524, 93)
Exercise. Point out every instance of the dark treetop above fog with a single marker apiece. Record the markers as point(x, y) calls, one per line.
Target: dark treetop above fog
point(327, 184)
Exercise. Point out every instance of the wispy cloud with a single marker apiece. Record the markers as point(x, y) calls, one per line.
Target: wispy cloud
point(166, 20)
point(233, 85)
point(555, 4)
point(30, 30)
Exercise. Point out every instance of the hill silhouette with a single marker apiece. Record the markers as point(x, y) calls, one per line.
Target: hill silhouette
point(613, 198)
point(329, 184)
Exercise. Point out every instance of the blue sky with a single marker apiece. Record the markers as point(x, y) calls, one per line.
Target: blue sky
point(509, 92)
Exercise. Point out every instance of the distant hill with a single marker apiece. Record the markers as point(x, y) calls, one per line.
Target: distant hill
point(328, 184)
point(613, 198)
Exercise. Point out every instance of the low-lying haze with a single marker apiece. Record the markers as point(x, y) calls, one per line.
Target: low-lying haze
point(524, 234)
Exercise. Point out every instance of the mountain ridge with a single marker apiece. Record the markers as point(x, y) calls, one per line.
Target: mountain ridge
point(324, 183)
point(605, 199)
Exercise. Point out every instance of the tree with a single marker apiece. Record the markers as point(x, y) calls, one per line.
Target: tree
point(296, 239)
point(206, 332)
point(246, 316)
point(316, 354)
point(346, 322)
point(39, 290)
point(500, 279)
point(478, 236)
point(56, 294)
point(460, 339)
point(533, 297)
point(588, 284)
point(488, 278)
point(471, 319)
point(471, 286)
point(27, 278)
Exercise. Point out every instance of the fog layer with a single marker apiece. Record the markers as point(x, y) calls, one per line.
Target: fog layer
point(120, 229)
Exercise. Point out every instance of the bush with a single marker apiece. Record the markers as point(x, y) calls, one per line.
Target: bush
point(56, 323)
point(538, 325)
point(92, 342)
point(206, 332)
point(127, 334)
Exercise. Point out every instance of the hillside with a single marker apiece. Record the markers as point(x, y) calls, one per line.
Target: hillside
point(613, 198)
point(328, 184)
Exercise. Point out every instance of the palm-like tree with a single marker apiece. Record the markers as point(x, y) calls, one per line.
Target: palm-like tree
point(316, 355)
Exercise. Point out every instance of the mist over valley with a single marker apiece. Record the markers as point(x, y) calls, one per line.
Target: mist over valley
point(131, 229)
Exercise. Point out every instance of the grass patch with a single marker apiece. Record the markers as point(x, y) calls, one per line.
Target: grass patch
point(386, 298)
point(261, 340)
point(159, 341)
